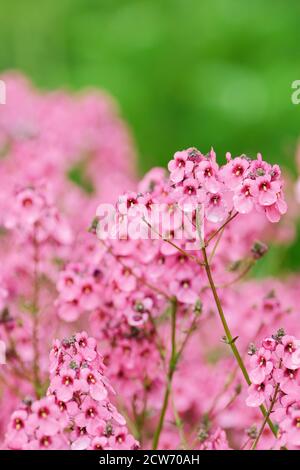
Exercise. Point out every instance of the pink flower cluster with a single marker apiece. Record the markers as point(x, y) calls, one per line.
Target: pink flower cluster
point(241, 184)
point(274, 373)
point(77, 413)
point(277, 361)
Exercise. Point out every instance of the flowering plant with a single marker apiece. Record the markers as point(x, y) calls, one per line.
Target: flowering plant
point(164, 340)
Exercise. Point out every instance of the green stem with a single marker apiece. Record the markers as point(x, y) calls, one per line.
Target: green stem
point(230, 338)
point(35, 341)
point(171, 370)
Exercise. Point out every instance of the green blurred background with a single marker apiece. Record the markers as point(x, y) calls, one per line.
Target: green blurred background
point(185, 72)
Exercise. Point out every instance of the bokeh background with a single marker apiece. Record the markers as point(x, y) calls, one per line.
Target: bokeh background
point(185, 72)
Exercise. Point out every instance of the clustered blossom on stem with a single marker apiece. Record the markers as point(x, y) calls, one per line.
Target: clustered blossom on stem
point(274, 373)
point(241, 185)
point(77, 412)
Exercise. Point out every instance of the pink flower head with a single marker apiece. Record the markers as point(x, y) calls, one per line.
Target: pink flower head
point(127, 203)
point(216, 208)
point(190, 195)
point(16, 436)
point(276, 210)
point(91, 382)
point(90, 417)
point(289, 380)
point(186, 287)
point(86, 346)
point(63, 384)
point(269, 344)
point(99, 443)
point(69, 311)
point(125, 279)
point(291, 425)
point(244, 198)
point(68, 285)
point(207, 175)
point(258, 393)
point(180, 166)
point(122, 440)
point(89, 299)
point(261, 366)
point(234, 172)
point(267, 190)
point(44, 417)
point(286, 351)
point(29, 205)
point(48, 442)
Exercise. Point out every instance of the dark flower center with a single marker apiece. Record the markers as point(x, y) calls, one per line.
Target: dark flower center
point(43, 413)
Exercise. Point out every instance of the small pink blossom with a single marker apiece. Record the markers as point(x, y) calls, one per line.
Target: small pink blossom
point(261, 366)
point(180, 166)
point(286, 351)
point(258, 393)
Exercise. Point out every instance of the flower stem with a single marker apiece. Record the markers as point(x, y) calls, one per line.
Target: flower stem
point(229, 336)
point(171, 370)
point(35, 341)
point(230, 218)
point(254, 445)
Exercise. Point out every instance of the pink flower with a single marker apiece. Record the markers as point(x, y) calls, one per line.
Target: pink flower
point(99, 443)
point(267, 190)
point(234, 172)
point(29, 205)
point(86, 346)
point(286, 351)
point(216, 208)
point(91, 382)
point(291, 425)
point(185, 287)
point(69, 311)
point(63, 384)
point(16, 435)
point(121, 440)
point(258, 393)
point(261, 366)
point(44, 417)
point(90, 417)
point(190, 195)
point(125, 279)
point(244, 198)
point(207, 175)
point(180, 166)
point(276, 210)
point(269, 344)
point(89, 299)
point(48, 442)
point(289, 380)
point(82, 442)
point(68, 285)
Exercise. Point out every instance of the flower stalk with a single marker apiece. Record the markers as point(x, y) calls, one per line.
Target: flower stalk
point(171, 369)
point(229, 337)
